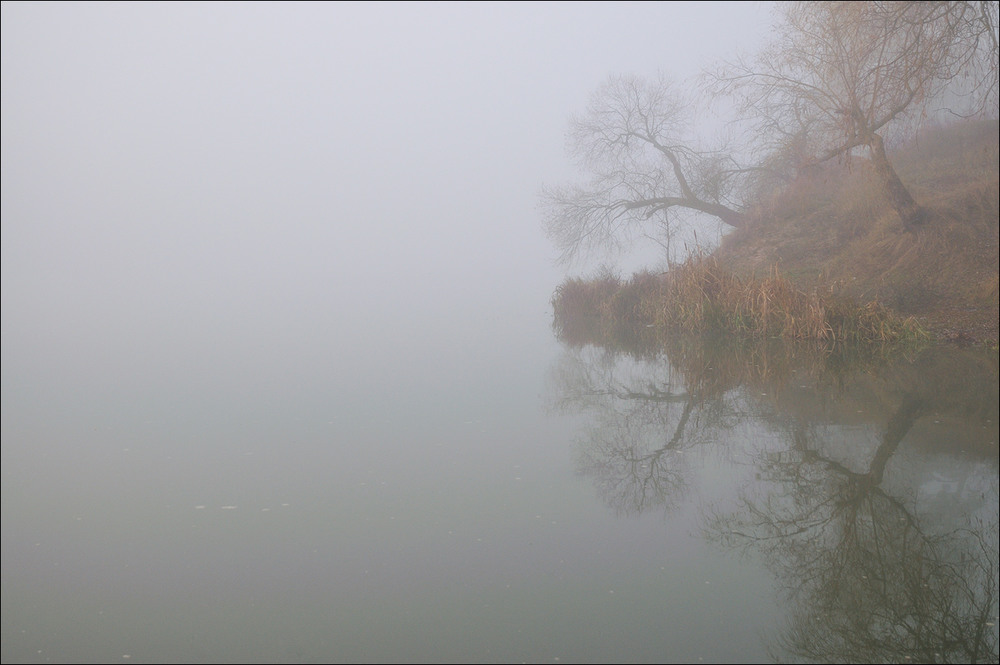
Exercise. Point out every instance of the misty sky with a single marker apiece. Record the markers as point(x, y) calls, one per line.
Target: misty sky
point(239, 165)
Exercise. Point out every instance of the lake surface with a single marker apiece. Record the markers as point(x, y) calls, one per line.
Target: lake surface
point(385, 490)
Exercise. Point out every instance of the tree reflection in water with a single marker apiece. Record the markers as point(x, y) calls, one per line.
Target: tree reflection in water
point(631, 451)
point(877, 564)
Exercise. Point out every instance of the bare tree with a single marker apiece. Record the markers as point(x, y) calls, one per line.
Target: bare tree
point(842, 74)
point(635, 139)
point(972, 64)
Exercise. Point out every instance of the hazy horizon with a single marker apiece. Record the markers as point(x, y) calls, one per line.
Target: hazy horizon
point(173, 161)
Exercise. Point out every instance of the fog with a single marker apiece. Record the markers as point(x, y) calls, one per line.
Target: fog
point(186, 178)
point(218, 218)
point(276, 341)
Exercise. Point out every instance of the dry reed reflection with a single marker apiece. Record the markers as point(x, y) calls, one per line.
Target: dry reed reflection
point(881, 560)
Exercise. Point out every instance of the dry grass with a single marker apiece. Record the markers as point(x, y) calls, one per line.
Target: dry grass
point(700, 297)
point(832, 232)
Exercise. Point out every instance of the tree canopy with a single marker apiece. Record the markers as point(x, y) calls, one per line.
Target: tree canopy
point(636, 139)
point(845, 75)
point(837, 77)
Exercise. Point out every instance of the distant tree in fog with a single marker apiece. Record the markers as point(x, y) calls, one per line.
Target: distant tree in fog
point(636, 140)
point(841, 75)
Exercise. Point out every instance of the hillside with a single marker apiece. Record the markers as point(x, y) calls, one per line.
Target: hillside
point(831, 230)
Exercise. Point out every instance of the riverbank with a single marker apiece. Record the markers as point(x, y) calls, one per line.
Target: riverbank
point(702, 297)
point(834, 232)
point(827, 258)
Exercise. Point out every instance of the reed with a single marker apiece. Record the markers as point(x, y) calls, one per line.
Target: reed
point(701, 297)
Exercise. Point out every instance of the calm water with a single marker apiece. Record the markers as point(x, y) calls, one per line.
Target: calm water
point(489, 494)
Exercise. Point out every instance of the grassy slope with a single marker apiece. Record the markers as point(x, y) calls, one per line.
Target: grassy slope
point(832, 230)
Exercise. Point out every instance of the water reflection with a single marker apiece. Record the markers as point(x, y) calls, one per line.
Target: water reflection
point(642, 424)
point(870, 576)
point(868, 484)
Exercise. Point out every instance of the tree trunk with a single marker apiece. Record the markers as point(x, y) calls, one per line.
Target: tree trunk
point(728, 216)
point(911, 214)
